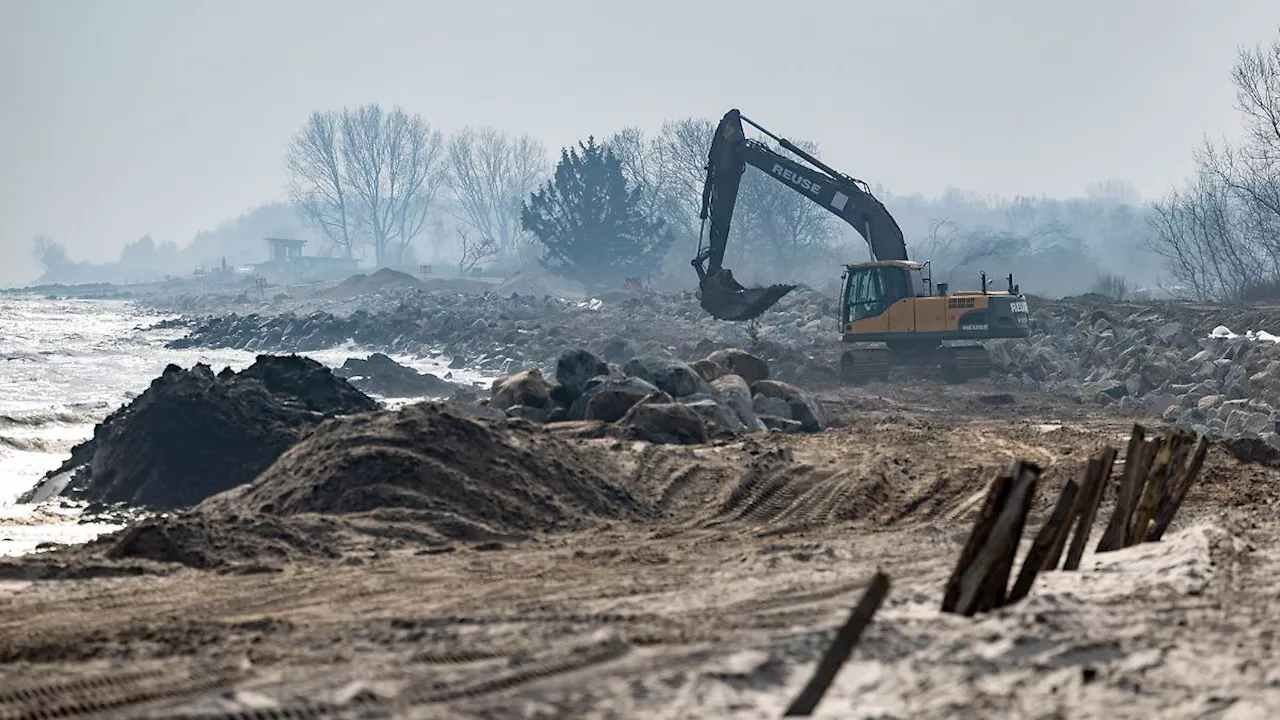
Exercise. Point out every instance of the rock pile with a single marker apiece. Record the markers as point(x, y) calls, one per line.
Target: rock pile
point(192, 434)
point(1150, 358)
point(660, 398)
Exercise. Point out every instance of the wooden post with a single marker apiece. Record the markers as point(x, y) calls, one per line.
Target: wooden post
point(994, 593)
point(1135, 474)
point(1157, 484)
point(1096, 488)
point(1173, 499)
point(981, 581)
point(1057, 526)
point(1055, 552)
point(997, 494)
point(836, 655)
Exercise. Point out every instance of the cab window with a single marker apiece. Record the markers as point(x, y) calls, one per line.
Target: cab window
point(866, 295)
point(895, 284)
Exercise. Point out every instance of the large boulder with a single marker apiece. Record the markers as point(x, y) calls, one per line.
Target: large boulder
point(574, 368)
point(717, 416)
point(663, 422)
point(741, 363)
point(617, 350)
point(708, 369)
point(763, 405)
point(526, 387)
point(737, 395)
point(804, 409)
point(609, 398)
point(672, 376)
point(380, 375)
point(191, 434)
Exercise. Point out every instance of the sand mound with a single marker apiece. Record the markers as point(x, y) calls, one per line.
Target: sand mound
point(461, 474)
point(191, 434)
point(380, 281)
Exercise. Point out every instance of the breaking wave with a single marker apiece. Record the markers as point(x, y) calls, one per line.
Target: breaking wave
point(37, 444)
point(41, 418)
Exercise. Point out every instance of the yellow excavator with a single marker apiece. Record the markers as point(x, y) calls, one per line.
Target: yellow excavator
point(890, 311)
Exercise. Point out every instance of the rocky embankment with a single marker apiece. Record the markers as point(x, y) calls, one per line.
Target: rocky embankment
point(500, 334)
point(1179, 361)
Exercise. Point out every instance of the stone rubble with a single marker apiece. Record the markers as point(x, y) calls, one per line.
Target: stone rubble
point(1158, 359)
point(504, 334)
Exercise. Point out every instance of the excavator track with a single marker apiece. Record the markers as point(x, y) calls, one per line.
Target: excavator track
point(965, 362)
point(859, 366)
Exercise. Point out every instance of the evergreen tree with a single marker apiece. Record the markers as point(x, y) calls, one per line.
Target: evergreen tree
point(591, 224)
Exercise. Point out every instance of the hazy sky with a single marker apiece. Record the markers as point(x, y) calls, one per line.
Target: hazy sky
point(125, 117)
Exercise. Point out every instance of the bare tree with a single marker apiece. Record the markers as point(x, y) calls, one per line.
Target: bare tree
point(1111, 285)
point(366, 175)
point(643, 167)
point(491, 174)
point(1196, 231)
point(780, 229)
point(317, 181)
point(1220, 235)
point(474, 250)
point(394, 168)
point(682, 147)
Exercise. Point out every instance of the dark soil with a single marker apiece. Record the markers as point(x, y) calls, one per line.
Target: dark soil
point(191, 434)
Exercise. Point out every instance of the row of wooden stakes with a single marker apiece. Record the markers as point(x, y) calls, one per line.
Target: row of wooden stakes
point(1157, 474)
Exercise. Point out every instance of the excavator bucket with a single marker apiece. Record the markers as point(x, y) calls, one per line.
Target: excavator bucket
point(726, 299)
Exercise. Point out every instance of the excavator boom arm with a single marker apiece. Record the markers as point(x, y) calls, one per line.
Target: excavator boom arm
point(731, 151)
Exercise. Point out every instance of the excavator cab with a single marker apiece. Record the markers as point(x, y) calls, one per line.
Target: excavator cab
point(870, 288)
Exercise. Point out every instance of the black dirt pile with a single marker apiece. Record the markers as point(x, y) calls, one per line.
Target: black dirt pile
point(457, 475)
point(191, 434)
point(162, 544)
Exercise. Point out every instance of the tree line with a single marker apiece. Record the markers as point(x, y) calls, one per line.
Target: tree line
point(367, 178)
point(385, 185)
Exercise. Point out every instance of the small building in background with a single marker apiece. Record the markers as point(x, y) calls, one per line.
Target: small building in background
point(286, 264)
